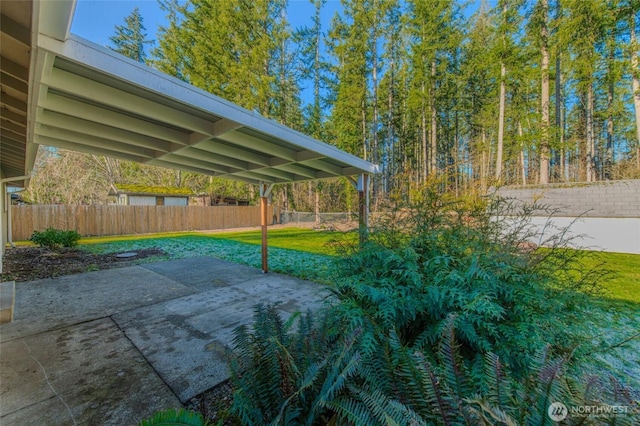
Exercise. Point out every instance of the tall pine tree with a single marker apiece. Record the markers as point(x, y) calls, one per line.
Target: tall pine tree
point(130, 39)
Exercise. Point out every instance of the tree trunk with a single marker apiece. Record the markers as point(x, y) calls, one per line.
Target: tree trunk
point(434, 115)
point(374, 119)
point(544, 96)
point(425, 158)
point(609, 154)
point(559, 133)
point(484, 162)
point(364, 128)
point(523, 168)
point(635, 82)
point(503, 73)
point(590, 144)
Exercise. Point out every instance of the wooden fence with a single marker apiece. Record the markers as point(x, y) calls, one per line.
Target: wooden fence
point(124, 220)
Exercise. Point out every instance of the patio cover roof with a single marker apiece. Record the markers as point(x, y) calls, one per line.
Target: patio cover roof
point(67, 92)
point(64, 91)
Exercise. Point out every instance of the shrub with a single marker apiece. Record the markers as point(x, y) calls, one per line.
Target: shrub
point(55, 238)
point(438, 257)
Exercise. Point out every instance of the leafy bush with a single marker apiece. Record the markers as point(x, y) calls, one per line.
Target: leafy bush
point(439, 257)
point(55, 238)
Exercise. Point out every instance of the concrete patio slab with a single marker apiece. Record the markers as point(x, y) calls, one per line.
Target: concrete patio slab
point(56, 302)
point(187, 339)
point(204, 272)
point(114, 346)
point(87, 373)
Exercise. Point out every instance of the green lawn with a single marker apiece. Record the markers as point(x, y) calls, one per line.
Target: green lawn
point(307, 240)
point(302, 253)
point(302, 239)
point(624, 282)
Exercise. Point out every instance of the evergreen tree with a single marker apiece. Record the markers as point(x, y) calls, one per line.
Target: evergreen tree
point(168, 55)
point(130, 39)
point(351, 70)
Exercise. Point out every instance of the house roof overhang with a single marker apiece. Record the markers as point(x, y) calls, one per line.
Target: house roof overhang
point(15, 63)
point(80, 96)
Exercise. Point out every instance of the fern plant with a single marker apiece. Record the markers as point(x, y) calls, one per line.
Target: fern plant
point(444, 317)
point(347, 383)
point(289, 378)
point(173, 417)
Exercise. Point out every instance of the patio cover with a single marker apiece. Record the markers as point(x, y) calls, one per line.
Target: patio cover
point(64, 91)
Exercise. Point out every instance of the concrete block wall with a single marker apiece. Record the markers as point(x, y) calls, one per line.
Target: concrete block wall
point(613, 199)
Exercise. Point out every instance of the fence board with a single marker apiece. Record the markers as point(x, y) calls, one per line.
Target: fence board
point(97, 220)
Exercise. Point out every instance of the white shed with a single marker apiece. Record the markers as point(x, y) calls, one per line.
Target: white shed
point(140, 195)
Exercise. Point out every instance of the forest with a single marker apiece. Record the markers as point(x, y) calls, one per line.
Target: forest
point(510, 92)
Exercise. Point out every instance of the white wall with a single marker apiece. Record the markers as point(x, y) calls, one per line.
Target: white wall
point(621, 235)
point(175, 201)
point(142, 200)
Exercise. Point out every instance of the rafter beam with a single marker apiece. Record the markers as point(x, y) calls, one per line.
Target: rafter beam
point(325, 167)
point(93, 141)
point(15, 30)
point(221, 160)
point(9, 125)
point(125, 101)
point(14, 117)
point(45, 140)
point(55, 119)
point(259, 145)
point(170, 165)
point(272, 172)
point(12, 102)
point(187, 161)
point(14, 69)
point(298, 170)
point(308, 155)
point(8, 134)
point(224, 126)
point(58, 103)
point(12, 82)
point(218, 147)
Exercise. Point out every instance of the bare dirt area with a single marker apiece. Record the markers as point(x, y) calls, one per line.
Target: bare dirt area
point(32, 263)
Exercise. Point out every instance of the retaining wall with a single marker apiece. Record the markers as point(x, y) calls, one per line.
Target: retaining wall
point(602, 215)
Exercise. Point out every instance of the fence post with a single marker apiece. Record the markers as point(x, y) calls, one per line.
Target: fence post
point(265, 190)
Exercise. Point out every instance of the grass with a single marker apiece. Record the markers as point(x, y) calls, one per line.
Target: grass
point(307, 240)
point(313, 258)
point(302, 239)
point(624, 283)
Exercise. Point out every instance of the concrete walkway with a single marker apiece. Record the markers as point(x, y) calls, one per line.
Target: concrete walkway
point(114, 346)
